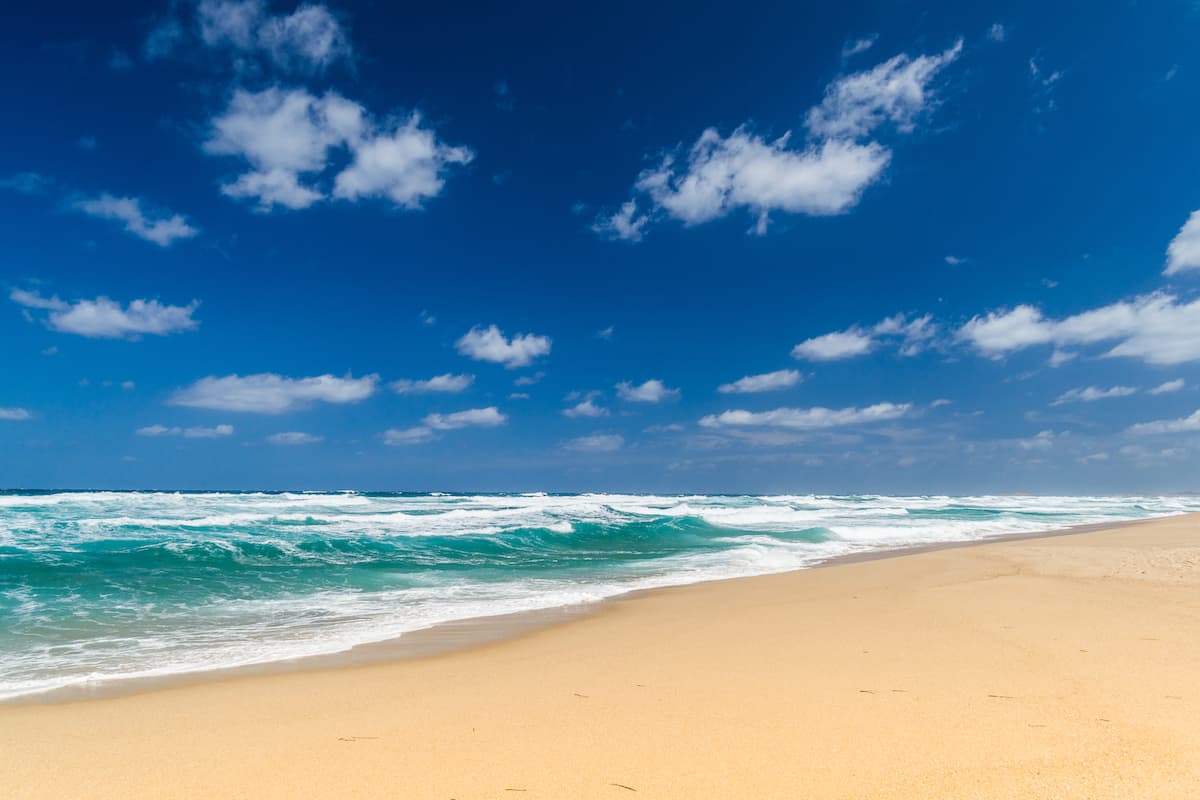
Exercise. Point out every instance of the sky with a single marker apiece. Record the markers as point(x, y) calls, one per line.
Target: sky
point(874, 247)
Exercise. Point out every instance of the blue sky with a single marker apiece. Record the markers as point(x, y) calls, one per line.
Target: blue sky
point(879, 247)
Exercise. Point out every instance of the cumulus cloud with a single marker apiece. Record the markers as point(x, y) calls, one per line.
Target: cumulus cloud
point(599, 443)
point(490, 344)
point(289, 438)
point(1188, 424)
point(815, 418)
point(103, 318)
point(161, 229)
point(450, 384)
point(744, 170)
point(218, 432)
point(1156, 328)
point(585, 408)
point(913, 335)
point(1183, 253)
point(269, 393)
point(1092, 393)
point(823, 176)
point(765, 382)
point(1169, 386)
point(13, 414)
point(652, 391)
point(289, 138)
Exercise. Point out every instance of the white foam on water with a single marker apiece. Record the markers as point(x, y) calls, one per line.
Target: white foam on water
point(542, 551)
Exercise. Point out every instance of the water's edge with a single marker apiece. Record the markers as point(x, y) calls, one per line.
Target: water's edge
point(476, 632)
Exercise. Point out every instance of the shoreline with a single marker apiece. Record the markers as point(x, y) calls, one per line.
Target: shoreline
point(461, 635)
point(1055, 666)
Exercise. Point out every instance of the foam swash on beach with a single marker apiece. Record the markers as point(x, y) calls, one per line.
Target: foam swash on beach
point(104, 586)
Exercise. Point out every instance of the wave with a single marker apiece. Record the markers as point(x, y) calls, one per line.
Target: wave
point(100, 586)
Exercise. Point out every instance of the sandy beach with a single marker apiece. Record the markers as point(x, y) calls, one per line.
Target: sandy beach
point(1058, 667)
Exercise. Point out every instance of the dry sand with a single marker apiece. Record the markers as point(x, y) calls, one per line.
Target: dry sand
point(1065, 667)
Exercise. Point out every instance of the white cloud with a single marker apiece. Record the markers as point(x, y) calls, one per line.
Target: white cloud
point(489, 417)
point(288, 137)
point(529, 380)
point(162, 230)
point(1044, 440)
point(765, 382)
point(913, 335)
point(997, 32)
point(955, 261)
point(835, 346)
point(586, 408)
point(268, 393)
point(307, 41)
point(11, 414)
point(103, 318)
point(1169, 386)
point(293, 438)
point(860, 45)
point(1092, 393)
point(1060, 357)
point(218, 432)
point(652, 391)
point(1183, 253)
point(625, 224)
point(895, 91)
point(404, 436)
point(816, 418)
point(744, 170)
point(406, 165)
point(600, 443)
point(1155, 328)
point(1188, 424)
point(451, 384)
point(490, 344)
point(826, 175)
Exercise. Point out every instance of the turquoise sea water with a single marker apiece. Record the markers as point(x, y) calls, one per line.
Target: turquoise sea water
point(105, 586)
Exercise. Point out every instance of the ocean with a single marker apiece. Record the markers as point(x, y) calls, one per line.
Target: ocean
point(101, 587)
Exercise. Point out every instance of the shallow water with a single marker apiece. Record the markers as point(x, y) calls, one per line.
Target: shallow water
point(104, 586)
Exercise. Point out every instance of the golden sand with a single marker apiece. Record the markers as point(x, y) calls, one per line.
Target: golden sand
point(1064, 667)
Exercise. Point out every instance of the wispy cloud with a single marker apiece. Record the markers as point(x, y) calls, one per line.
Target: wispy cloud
point(217, 432)
point(161, 229)
point(15, 414)
point(447, 383)
point(809, 419)
point(293, 438)
point(269, 393)
point(764, 382)
point(599, 443)
point(103, 318)
point(1091, 394)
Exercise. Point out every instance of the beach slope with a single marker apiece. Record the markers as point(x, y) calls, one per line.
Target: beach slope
point(1066, 666)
